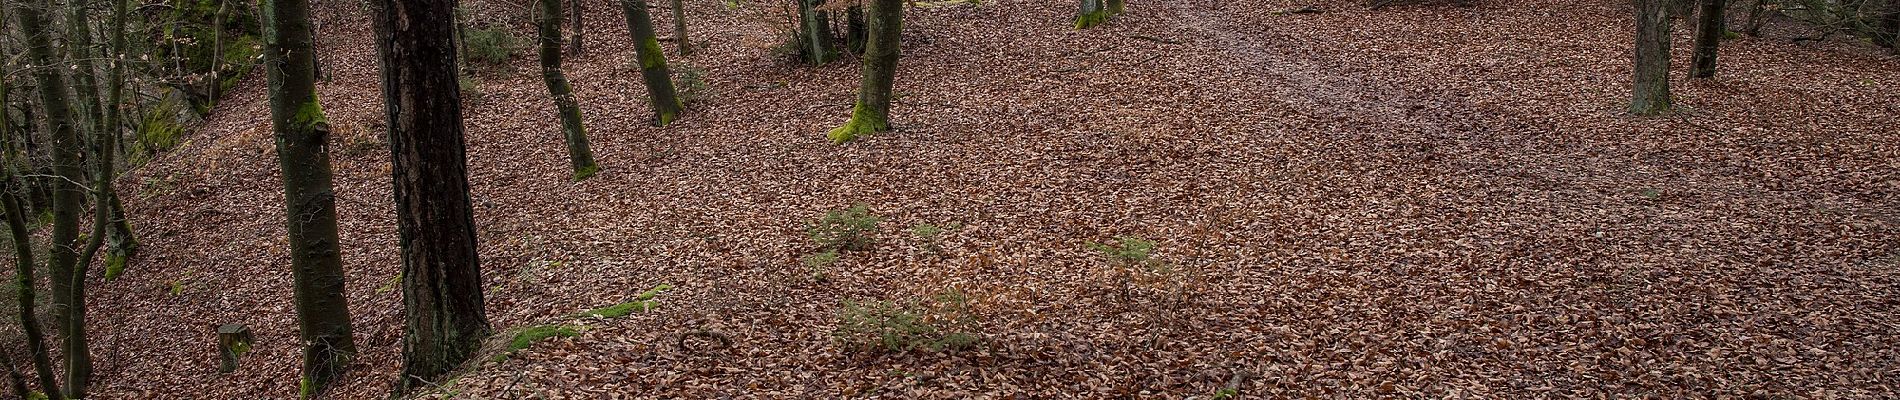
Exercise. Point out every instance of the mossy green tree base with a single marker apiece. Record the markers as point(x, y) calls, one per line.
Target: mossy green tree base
point(583, 173)
point(861, 124)
point(1090, 20)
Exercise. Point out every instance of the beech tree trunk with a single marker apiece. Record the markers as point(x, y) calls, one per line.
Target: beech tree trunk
point(79, 49)
point(872, 113)
point(679, 29)
point(579, 155)
point(659, 79)
point(119, 231)
point(814, 34)
point(443, 322)
point(1708, 37)
point(68, 277)
point(316, 264)
point(1090, 14)
point(1651, 83)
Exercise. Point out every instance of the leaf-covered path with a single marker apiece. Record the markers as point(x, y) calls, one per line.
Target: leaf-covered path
point(1424, 201)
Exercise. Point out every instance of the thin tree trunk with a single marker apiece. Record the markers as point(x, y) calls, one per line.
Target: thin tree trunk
point(579, 155)
point(659, 80)
point(814, 34)
point(1890, 27)
point(854, 33)
point(872, 113)
point(442, 282)
point(68, 297)
point(1651, 83)
point(79, 48)
point(123, 243)
point(679, 29)
point(1756, 16)
point(316, 265)
point(217, 56)
point(23, 251)
point(1708, 37)
point(578, 29)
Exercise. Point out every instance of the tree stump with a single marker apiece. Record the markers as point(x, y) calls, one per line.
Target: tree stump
point(233, 341)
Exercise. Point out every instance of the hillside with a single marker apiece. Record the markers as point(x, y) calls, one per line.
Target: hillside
point(1421, 201)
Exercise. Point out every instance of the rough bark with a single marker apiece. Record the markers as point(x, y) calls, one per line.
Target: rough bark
point(1651, 81)
point(872, 113)
point(659, 79)
point(579, 155)
point(679, 29)
point(814, 34)
point(69, 292)
point(1708, 37)
point(316, 265)
point(443, 322)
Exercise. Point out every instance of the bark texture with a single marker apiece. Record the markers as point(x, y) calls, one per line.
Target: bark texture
point(297, 119)
point(1708, 37)
point(854, 33)
point(443, 321)
point(872, 113)
point(1651, 81)
point(579, 155)
point(123, 245)
point(659, 79)
point(1091, 13)
point(24, 279)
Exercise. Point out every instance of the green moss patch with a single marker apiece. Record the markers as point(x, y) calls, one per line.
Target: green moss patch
point(527, 337)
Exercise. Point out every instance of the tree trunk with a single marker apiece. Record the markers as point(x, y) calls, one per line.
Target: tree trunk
point(119, 232)
point(872, 113)
point(577, 28)
point(659, 80)
point(679, 29)
point(579, 156)
point(217, 56)
point(1651, 83)
point(1756, 16)
point(79, 48)
point(1890, 27)
point(1708, 37)
point(1090, 14)
point(814, 34)
point(444, 322)
point(854, 33)
point(10, 186)
point(69, 293)
point(13, 376)
point(316, 265)
point(1117, 6)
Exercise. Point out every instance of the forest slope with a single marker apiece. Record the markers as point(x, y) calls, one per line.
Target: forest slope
point(1414, 201)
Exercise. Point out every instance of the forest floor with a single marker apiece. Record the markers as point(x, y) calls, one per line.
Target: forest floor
point(1422, 201)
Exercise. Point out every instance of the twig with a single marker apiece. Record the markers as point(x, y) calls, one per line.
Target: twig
point(1154, 39)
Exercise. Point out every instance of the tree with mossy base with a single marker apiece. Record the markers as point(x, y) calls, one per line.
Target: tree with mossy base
point(316, 264)
point(443, 320)
point(1650, 87)
point(1095, 12)
point(872, 113)
point(814, 33)
point(579, 155)
point(659, 79)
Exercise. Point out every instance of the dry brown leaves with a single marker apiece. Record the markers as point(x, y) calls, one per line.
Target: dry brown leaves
point(1420, 201)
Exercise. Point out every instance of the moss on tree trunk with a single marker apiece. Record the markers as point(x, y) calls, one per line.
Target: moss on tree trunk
point(580, 156)
point(297, 119)
point(872, 113)
point(659, 79)
point(443, 321)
